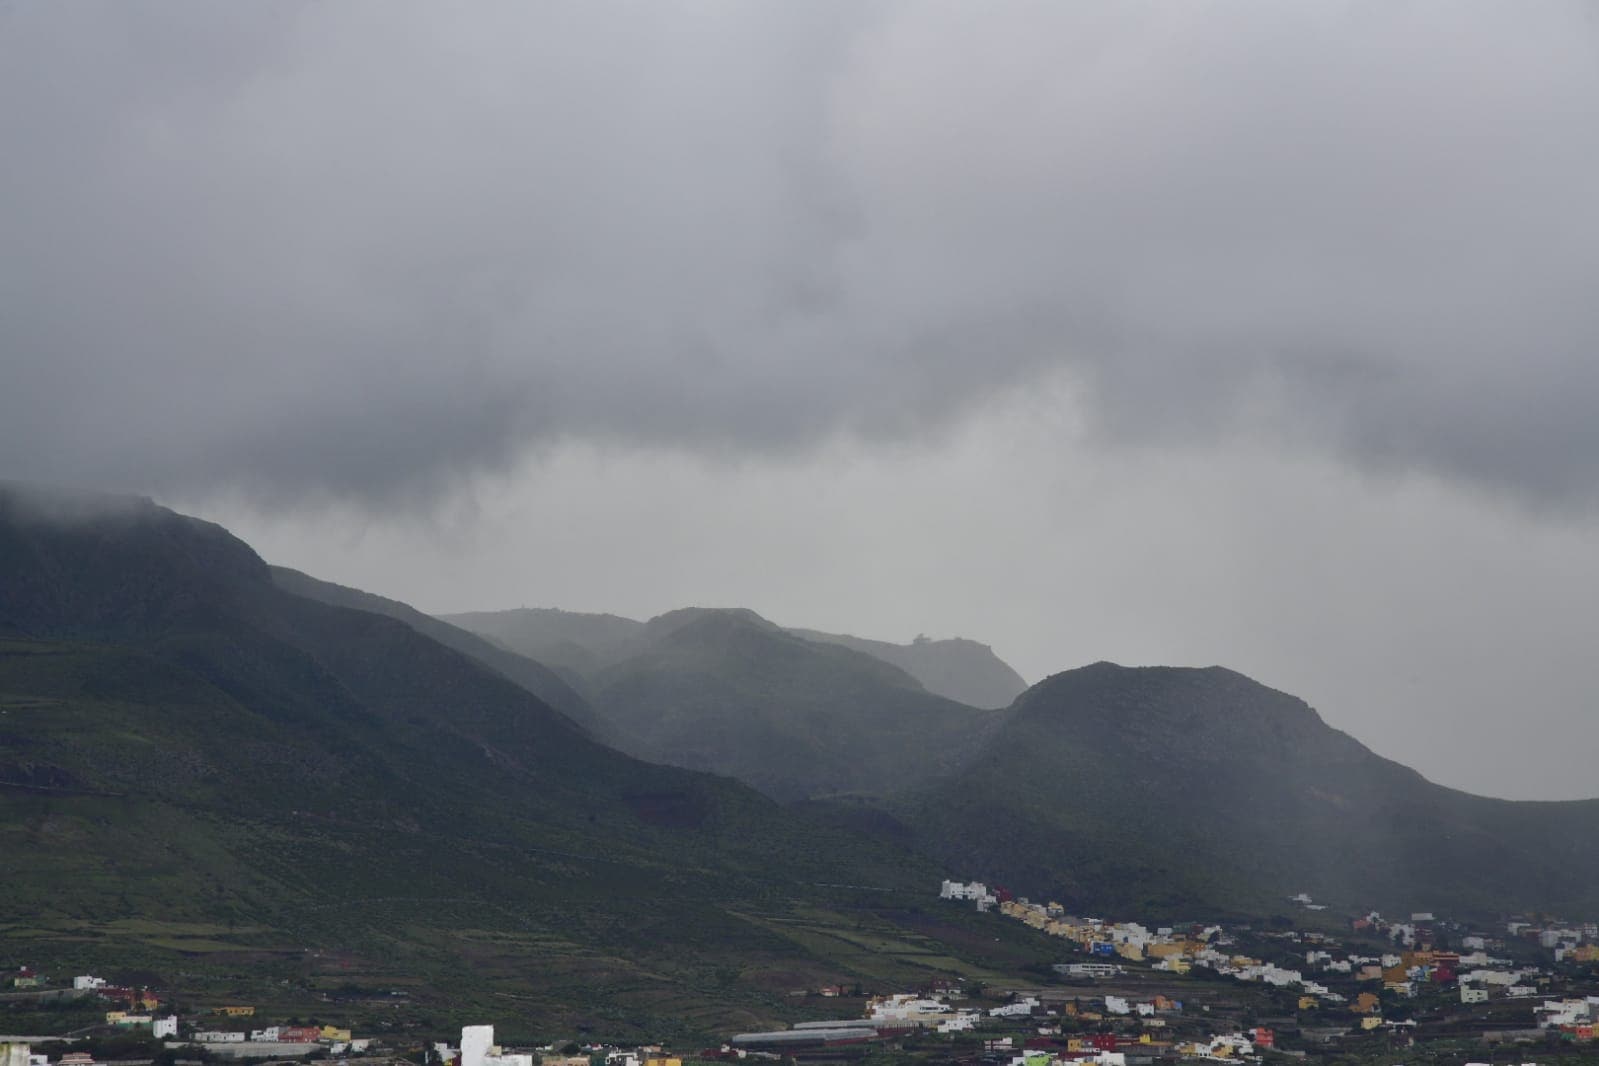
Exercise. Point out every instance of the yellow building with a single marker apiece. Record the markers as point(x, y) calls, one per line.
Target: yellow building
point(236, 1012)
point(1370, 1022)
point(115, 1017)
point(1131, 952)
point(332, 1033)
point(663, 1060)
point(1308, 1003)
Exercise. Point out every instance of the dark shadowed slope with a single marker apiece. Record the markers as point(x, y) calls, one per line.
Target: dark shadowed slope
point(728, 691)
point(181, 737)
point(1183, 789)
point(957, 669)
point(534, 676)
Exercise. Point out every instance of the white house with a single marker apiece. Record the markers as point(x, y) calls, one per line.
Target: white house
point(1020, 1009)
point(1473, 995)
point(902, 1006)
point(963, 1022)
point(976, 892)
point(1557, 1012)
point(164, 1027)
point(87, 983)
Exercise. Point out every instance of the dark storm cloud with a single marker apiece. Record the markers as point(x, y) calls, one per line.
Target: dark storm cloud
point(356, 249)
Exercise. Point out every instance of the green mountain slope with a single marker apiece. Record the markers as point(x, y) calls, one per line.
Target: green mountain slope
point(1182, 790)
point(184, 743)
point(728, 691)
point(957, 669)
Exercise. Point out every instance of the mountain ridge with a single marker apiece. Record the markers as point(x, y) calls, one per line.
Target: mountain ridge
point(730, 692)
point(187, 739)
point(1175, 787)
point(966, 671)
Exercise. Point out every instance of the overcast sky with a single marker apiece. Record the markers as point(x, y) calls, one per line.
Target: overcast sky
point(1260, 334)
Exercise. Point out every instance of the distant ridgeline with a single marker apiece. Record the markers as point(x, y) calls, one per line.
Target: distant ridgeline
point(1174, 790)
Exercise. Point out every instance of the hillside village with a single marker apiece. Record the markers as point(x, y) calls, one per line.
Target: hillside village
point(1131, 994)
point(1125, 993)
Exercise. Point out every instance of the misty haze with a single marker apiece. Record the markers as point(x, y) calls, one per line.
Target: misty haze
point(1019, 533)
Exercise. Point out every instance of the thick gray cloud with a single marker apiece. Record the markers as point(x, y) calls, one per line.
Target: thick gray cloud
point(359, 249)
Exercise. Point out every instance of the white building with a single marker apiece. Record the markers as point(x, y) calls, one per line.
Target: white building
point(1270, 974)
point(1550, 938)
point(1473, 995)
point(164, 1027)
point(1557, 1012)
point(1020, 1009)
point(219, 1037)
point(477, 1044)
point(905, 1007)
point(87, 983)
point(976, 892)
